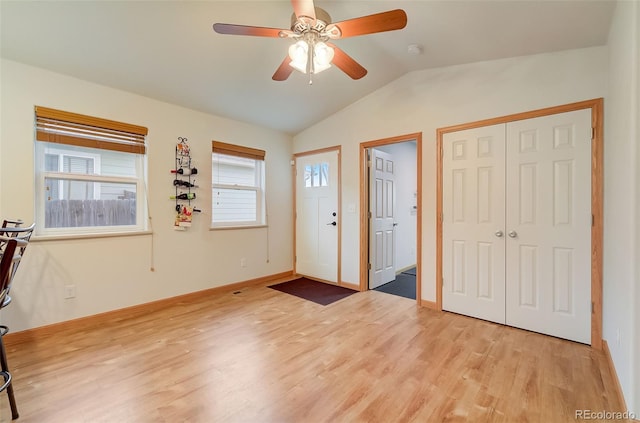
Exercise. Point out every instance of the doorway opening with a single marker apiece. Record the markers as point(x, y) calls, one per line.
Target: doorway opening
point(390, 215)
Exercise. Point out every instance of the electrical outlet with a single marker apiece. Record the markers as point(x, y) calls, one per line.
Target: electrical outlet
point(69, 291)
point(243, 262)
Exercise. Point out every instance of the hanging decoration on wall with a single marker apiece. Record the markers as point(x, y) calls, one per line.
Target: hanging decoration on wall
point(183, 182)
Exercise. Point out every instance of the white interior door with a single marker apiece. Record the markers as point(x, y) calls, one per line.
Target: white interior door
point(382, 205)
point(549, 225)
point(317, 218)
point(473, 243)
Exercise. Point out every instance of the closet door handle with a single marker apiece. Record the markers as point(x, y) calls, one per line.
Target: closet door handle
point(513, 234)
point(499, 234)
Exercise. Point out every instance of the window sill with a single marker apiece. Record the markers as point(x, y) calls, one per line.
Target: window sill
point(226, 228)
point(42, 238)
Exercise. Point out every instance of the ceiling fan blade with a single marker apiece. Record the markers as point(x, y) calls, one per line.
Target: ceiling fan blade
point(304, 9)
point(346, 63)
point(283, 71)
point(379, 22)
point(257, 31)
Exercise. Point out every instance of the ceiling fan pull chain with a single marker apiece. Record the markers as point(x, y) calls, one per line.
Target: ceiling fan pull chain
point(310, 53)
point(310, 43)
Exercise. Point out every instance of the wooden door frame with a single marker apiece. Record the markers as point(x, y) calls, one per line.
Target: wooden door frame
point(364, 207)
point(338, 149)
point(597, 146)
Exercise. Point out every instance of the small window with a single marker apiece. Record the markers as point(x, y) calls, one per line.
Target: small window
point(89, 173)
point(237, 186)
point(316, 175)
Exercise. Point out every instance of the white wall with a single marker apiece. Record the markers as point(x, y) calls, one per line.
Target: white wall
point(621, 308)
point(404, 155)
point(112, 273)
point(426, 100)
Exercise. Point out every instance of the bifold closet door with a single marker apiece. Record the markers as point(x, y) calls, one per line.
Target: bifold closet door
point(473, 239)
point(548, 225)
point(516, 228)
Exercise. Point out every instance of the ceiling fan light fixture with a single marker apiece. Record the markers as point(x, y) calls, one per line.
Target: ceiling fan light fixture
point(299, 52)
point(322, 57)
point(311, 28)
point(321, 53)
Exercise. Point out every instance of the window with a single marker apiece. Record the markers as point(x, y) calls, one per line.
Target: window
point(58, 160)
point(237, 186)
point(89, 174)
point(316, 175)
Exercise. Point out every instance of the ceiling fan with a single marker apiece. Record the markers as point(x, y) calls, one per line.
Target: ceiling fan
point(311, 29)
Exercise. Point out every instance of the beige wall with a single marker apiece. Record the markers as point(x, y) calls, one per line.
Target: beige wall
point(426, 100)
point(621, 306)
point(112, 273)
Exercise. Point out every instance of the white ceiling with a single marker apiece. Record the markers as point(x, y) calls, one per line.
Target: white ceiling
point(167, 50)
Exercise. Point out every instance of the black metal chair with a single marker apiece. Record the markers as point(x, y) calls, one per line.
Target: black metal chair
point(13, 223)
point(13, 229)
point(8, 264)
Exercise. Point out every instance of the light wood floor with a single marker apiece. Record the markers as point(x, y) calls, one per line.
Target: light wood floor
point(264, 356)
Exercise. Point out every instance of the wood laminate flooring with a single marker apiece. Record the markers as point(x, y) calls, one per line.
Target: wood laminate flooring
point(259, 355)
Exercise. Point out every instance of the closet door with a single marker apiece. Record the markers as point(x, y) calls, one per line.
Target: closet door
point(548, 225)
point(473, 240)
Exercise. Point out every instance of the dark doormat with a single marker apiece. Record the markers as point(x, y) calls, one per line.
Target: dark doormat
point(318, 292)
point(404, 285)
point(411, 271)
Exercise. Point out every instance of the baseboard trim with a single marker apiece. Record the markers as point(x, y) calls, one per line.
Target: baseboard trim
point(343, 284)
point(612, 369)
point(404, 269)
point(429, 304)
point(128, 312)
point(354, 286)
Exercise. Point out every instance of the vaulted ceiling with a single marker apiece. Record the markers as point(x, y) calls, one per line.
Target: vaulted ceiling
point(167, 50)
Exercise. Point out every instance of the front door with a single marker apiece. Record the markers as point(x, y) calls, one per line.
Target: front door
point(317, 215)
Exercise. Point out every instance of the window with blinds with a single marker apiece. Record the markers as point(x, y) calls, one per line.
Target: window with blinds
point(237, 186)
point(90, 174)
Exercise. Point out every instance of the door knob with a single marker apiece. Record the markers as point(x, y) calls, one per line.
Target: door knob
point(499, 234)
point(332, 223)
point(513, 234)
